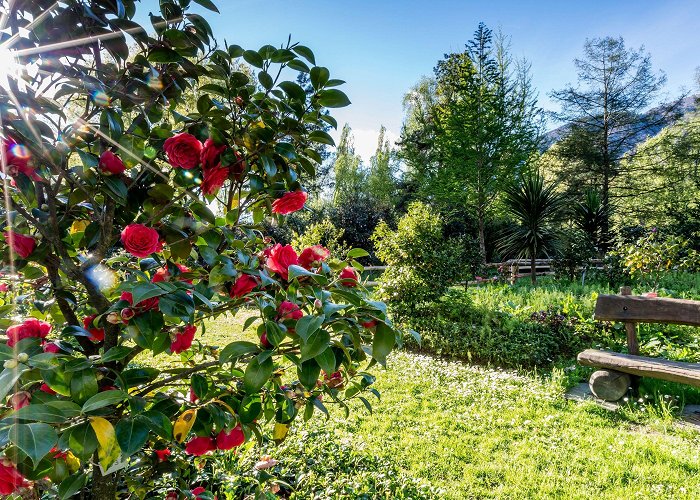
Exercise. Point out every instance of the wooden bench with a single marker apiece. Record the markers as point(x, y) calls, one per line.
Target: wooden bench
point(621, 371)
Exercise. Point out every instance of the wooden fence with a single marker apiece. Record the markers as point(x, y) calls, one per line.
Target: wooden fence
point(512, 268)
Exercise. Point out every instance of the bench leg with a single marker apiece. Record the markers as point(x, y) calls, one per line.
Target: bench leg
point(609, 385)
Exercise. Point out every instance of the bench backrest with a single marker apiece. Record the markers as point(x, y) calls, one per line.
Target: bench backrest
point(635, 309)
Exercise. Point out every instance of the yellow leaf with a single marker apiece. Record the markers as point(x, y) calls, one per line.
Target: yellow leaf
point(279, 432)
point(108, 450)
point(72, 462)
point(183, 425)
point(79, 226)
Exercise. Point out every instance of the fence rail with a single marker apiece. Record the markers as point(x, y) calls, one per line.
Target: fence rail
point(543, 267)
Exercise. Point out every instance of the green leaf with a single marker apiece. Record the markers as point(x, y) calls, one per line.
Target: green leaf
point(177, 305)
point(58, 380)
point(145, 328)
point(83, 385)
point(163, 55)
point(305, 52)
point(9, 377)
point(293, 90)
point(207, 4)
point(298, 65)
point(257, 374)
point(102, 399)
point(132, 434)
point(253, 58)
point(40, 413)
point(326, 360)
point(35, 440)
point(81, 440)
point(384, 339)
point(315, 344)
point(356, 253)
point(265, 80)
point(199, 384)
point(319, 76)
point(308, 373)
point(71, 485)
point(116, 188)
point(296, 271)
point(333, 98)
point(116, 353)
point(307, 325)
point(143, 291)
point(235, 350)
point(321, 137)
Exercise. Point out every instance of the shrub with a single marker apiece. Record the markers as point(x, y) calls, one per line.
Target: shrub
point(113, 254)
point(421, 263)
point(455, 326)
point(322, 233)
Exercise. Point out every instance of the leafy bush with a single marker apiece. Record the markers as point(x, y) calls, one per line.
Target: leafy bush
point(421, 263)
point(455, 326)
point(113, 253)
point(322, 233)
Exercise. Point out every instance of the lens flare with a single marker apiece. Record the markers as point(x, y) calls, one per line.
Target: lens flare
point(102, 277)
point(9, 66)
point(20, 151)
point(155, 82)
point(100, 98)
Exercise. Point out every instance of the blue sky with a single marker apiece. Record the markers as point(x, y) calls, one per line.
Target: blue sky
point(383, 47)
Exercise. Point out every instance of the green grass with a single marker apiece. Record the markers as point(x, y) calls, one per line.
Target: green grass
point(450, 430)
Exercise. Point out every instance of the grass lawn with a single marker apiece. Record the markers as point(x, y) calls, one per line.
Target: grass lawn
point(450, 430)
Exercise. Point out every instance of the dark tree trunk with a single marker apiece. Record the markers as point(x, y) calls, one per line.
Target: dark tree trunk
point(104, 487)
point(533, 267)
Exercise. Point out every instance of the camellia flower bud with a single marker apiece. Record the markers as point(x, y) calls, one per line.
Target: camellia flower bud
point(318, 304)
point(127, 313)
point(23, 357)
point(10, 364)
point(114, 318)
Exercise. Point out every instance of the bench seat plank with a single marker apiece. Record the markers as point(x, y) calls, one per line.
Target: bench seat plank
point(673, 371)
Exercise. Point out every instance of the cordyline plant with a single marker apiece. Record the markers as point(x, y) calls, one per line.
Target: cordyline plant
point(129, 220)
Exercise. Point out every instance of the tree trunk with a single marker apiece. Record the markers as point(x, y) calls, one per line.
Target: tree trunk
point(482, 239)
point(104, 487)
point(533, 267)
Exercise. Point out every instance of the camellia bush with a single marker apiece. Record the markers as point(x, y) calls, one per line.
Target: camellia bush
point(137, 170)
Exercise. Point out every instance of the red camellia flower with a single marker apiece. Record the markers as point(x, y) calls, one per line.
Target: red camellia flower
point(348, 277)
point(198, 491)
point(192, 396)
point(243, 285)
point(290, 202)
point(289, 310)
point(312, 256)
point(163, 274)
point(281, 257)
point(10, 478)
point(183, 150)
point(29, 328)
point(172, 495)
point(183, 339)
point(96, 334)
point(20, 400)
point(263, 340)
point(45, 388)
point(213, 178)
point(369, 323)
point(20, 244)
point(163, 454)
point(111, 163)
point(211, 154)
point(198, 446)
point(50, 347)
point(140, 241)
point(231, 439)
point(4, 287)
point(17, 160)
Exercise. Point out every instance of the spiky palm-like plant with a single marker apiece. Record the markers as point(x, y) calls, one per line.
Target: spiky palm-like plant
point(590, 216)
point(533, 204)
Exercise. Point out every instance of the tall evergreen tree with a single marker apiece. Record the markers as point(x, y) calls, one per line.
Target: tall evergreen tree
point(381, 179)
point(606, 115)
point(347, 168)
point(486, 125)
